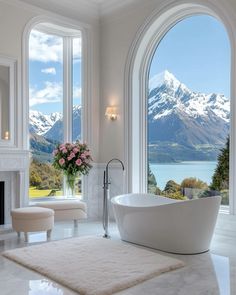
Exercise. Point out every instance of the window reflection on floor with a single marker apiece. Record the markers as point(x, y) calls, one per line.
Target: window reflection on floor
point(222, 270)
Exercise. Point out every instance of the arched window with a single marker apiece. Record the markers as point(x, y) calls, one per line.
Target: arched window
point(137, 87)
point(55, 103)
point(188, 111)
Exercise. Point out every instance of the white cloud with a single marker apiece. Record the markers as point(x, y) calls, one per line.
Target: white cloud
point(77, 92)
point(49, 71)
point(44, 47)
point(48, 48)
point(51, 93)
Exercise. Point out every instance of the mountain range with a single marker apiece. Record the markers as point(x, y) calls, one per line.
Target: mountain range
point(46, 131)
point(183, 125)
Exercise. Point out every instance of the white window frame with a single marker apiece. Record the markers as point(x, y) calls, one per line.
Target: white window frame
point(136, 87)
point(85, 35)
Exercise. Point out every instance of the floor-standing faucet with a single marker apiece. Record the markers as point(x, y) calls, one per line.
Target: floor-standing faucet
point(106, 197)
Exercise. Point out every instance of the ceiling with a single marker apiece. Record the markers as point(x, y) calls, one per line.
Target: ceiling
point(96, 8)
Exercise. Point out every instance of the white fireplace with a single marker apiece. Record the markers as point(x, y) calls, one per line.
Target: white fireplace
point(14, 165)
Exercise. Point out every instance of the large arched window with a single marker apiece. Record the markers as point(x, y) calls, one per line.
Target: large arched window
point(188, 111)
point(54, 75)
point(137, 85)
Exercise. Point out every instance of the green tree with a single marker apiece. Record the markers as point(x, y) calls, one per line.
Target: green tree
point(220, 179)
point(35, 179)
point(152, 183)
point(44, 176)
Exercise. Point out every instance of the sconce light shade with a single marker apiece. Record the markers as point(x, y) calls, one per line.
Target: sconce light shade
point(111, 112)
point(6, 135)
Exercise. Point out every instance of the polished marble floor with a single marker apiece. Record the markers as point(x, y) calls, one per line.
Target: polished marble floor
point(211, 273)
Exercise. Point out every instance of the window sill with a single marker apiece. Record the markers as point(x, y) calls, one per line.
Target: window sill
point(51, 199)
point(224, 209)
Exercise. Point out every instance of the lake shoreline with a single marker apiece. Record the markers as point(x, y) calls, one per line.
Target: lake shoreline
point(164, 172)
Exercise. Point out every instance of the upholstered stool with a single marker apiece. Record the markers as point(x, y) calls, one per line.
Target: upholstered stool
point(30, 219)
point(66, 209)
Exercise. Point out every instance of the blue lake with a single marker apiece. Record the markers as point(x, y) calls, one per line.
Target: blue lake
point(179, 171)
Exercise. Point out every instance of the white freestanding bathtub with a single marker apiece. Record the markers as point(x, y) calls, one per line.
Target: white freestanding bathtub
point(184, 227)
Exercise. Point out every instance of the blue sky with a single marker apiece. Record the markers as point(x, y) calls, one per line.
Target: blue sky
point(197, 52)
point(46, 72)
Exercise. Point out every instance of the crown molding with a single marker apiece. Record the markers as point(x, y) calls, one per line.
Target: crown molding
point(79, 9)
point(89, 9)
point(108, 7)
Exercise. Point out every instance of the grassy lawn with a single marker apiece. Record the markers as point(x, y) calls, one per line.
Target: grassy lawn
point(35, 193)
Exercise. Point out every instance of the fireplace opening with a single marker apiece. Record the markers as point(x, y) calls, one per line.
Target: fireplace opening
point(1, 202)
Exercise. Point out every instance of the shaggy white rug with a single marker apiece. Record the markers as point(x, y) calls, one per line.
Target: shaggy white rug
point(93, 265)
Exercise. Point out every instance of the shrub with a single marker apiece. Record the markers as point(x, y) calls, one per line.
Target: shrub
point(172, 187)
point(174, 195)
point(193, 182)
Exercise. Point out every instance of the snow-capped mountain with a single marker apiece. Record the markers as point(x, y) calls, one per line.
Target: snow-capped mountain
point(56, 131)
point(167, 94)
point(47, 130)
point(40, 123)
point(177, 114)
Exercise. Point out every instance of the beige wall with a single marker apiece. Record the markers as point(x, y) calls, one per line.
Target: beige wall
point(12, 23)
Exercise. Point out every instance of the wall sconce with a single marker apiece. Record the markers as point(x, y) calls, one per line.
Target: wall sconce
point(6, 135)
point(111, 113)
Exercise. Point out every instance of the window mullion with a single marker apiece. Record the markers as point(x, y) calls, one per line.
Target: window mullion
point(67, 89)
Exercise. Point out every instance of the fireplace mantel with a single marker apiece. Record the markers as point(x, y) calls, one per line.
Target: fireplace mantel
point(14, 160)
point(14, 170)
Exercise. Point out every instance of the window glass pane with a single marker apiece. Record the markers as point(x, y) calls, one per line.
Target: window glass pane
point(76, 119)
point(45, 112)
point(4, 102)
point(189, 111)
point(76, 134)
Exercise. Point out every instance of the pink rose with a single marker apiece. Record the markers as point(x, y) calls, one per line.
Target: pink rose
point(78, 162)
point(61, 147)
point(64, 151)
point(83, 156)
point(61, 161)
point(72, 155)
point(75, 150)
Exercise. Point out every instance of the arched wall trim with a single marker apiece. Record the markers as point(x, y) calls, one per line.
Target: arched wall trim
point(136, 82)
point(86, 77)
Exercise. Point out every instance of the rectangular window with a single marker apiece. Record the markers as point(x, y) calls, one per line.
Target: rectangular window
point(49, 103)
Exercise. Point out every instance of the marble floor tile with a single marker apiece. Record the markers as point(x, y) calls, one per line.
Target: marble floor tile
point(210, 273)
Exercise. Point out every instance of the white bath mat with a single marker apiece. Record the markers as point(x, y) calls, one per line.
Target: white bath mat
point(93, 265)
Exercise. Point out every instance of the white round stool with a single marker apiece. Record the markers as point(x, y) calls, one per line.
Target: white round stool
point(30, 219)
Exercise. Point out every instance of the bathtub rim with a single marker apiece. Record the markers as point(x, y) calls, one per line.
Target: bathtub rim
point(173, 201)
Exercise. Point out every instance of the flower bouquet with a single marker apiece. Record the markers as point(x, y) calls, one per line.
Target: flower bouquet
point(73, 159)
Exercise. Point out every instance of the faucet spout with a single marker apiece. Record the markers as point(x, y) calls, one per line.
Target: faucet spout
point(106, 196)
point(107, 170)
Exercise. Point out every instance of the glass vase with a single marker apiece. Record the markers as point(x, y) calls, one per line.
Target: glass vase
point(70, 186)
